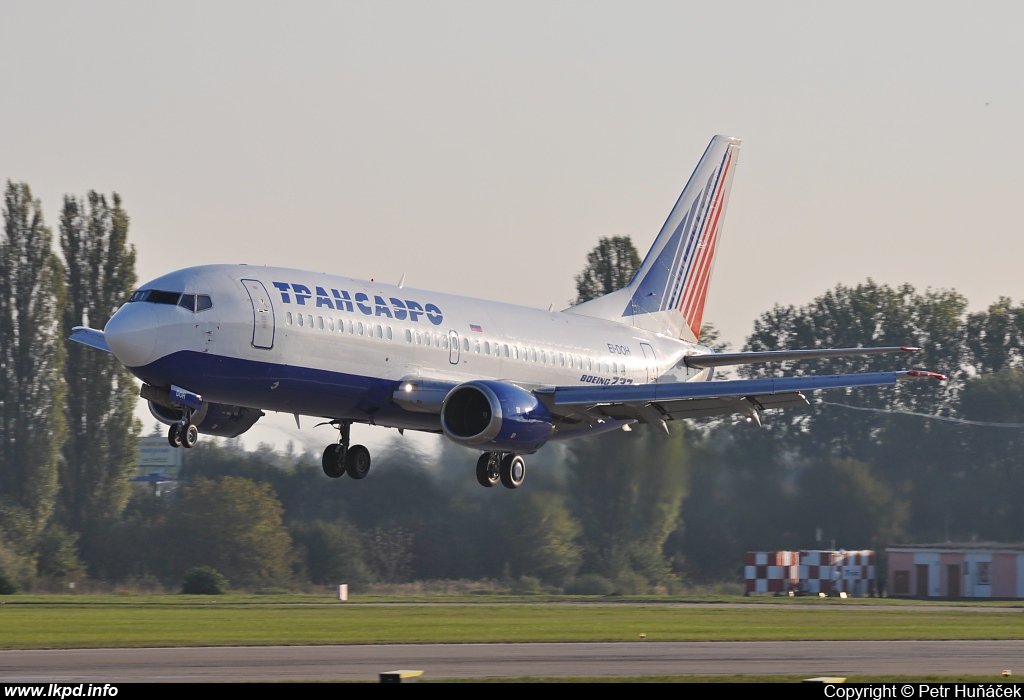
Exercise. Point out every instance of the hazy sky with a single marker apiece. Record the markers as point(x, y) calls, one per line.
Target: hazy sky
point(483, 148)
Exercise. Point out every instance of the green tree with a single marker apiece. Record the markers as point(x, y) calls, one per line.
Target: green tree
point(544, 542)
point(989, 474)
point(235, 526)
point(851, 505)
point(995, 337)
point(32, 425)
point(332, 552)
point(626, 491)
point(610, 266)
point(100, 453)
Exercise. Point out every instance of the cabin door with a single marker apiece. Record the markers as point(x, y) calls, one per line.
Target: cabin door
point(262, 315)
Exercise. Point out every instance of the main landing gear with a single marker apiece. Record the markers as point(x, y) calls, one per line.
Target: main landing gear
point(183, 434)
point(341, 459)
point(506, 467)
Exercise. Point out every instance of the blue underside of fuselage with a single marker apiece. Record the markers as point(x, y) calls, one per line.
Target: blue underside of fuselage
point(285, 388)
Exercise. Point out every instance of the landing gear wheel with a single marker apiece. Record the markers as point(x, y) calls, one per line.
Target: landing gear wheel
point(513, 471)
point(189, 435)
point(487, 472)
point(357, 462)
point(334, 461)
point(172, 436)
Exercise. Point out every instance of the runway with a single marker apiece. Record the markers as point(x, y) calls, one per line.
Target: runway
point(440, 661)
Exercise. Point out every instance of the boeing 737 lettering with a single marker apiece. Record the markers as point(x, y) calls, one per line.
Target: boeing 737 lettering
point(216, 346)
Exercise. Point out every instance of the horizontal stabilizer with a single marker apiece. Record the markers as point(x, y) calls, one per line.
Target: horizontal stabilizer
point(89, 336)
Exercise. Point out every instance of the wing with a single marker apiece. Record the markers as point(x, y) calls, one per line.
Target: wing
point(89, 336)
point(658, 403)
point(727, 359)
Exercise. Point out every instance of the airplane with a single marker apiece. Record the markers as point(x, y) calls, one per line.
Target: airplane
point(215, 346)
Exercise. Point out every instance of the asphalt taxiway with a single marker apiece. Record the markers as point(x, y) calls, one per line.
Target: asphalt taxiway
point(439, 661)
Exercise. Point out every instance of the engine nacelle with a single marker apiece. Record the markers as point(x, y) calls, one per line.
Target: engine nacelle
point(212, 418)
point(496, 416)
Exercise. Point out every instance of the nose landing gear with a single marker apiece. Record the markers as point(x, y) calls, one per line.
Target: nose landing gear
point(183, 434)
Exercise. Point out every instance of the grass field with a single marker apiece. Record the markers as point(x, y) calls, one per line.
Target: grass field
point(37, 622)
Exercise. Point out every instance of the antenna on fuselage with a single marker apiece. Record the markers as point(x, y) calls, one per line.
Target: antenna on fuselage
point(401, 282)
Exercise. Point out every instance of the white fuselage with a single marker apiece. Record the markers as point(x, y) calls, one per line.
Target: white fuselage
point(317, 344)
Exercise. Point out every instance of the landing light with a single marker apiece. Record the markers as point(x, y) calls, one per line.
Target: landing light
point(407, 387)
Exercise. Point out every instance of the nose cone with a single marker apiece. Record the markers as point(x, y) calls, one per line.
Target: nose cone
point(131, 334)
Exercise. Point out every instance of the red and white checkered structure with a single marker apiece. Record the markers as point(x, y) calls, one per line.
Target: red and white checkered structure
point(811, 571)
point(771, 572)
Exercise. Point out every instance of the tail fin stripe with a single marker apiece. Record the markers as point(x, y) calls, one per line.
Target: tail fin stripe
point(696, 312)
point(673, 286)
point(708, 236)
point(698, 286)
point(692, 248)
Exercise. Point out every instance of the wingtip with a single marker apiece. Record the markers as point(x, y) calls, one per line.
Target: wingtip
point(921, 374)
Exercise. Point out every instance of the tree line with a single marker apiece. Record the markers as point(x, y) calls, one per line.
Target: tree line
point(67, 432)
point(628, 512)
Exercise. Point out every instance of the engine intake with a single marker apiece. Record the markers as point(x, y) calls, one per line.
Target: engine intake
point(496, 416)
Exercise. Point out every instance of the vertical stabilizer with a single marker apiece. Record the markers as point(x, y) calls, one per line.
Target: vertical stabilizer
point(668, 291)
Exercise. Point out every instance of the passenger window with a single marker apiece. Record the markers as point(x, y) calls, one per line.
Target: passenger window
point(203, 302)
point(380, 331)
point(320, 322)
point(359, 328)
point(543, 357)
point(408, 335)
point(309, 318)
point(487, 348)
point(351, 328)
point(533, 354)
point(288, 318)
point(579, 362)
point(188, 301)
point(330, 324)
point(444, 342)
point(561, 359)
point(300, 321)
point(465, 344)
point(570, 361)
point(389, 333)
point(515, 353)
point(477, 346)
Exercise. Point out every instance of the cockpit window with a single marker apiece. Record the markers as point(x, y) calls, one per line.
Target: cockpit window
point(192, 302)
point(156, 296)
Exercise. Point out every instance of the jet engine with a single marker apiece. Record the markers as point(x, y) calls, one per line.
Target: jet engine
point(495, 416)
point(212, 418)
